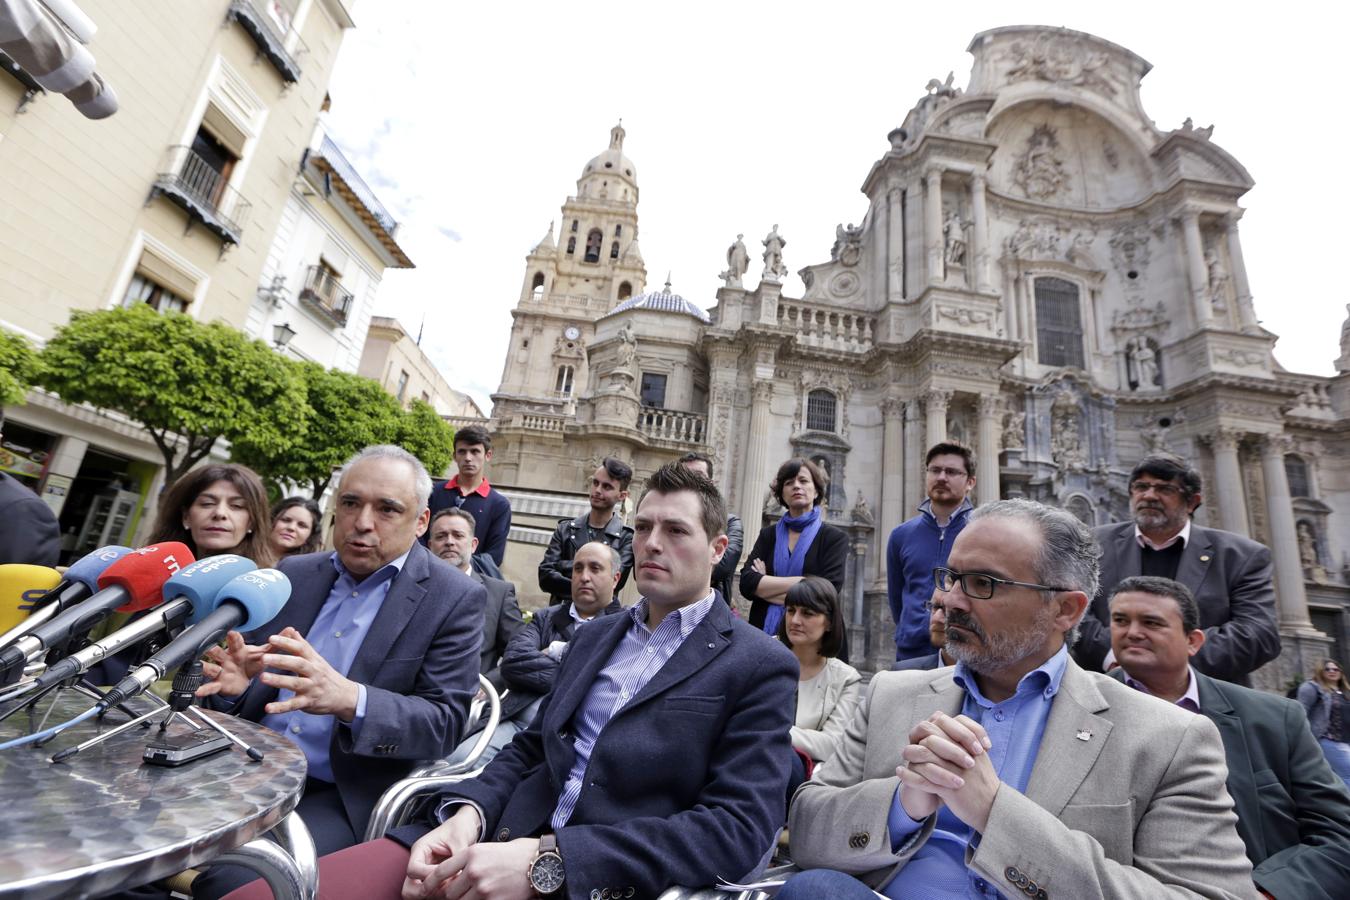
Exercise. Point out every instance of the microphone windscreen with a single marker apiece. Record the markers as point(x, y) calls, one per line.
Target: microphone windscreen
point(201, 581)
point(88, 568)
point(262, 592)
point(21, 586)
point(143, 573)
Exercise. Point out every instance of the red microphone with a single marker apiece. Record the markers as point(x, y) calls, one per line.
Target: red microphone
point(132, 584)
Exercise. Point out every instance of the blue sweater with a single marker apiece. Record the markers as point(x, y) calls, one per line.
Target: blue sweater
point(915, 548)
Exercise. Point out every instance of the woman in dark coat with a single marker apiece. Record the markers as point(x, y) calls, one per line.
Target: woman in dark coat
point(799, 544)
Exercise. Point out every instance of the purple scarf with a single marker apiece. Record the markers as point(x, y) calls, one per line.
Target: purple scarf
point(787, 564)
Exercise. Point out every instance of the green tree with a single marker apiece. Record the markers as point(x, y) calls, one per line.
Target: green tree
point(19, 367)
point(187, 383)
point(345, 413)
point(424, 434)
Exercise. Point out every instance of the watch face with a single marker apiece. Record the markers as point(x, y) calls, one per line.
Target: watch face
point(546, 873)
point(572, 333)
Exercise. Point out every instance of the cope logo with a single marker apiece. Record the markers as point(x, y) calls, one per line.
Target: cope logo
point(263, 577)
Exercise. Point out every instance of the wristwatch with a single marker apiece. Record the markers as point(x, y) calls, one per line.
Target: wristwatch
point(546, 869)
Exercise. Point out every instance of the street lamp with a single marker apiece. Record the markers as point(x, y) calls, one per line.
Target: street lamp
point(282, 334)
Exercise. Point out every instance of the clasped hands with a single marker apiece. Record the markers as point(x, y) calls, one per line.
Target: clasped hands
point(449, 863)
point(319, 688)
point(946, 761)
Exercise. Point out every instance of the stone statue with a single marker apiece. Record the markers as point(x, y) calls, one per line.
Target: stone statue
point(1040, 172)
point(627, 347)
point(1155, 440)
point(1141, 363)
point(738, 261)
point(862, 513)
point(1307, 545)
point(1218, 277)
point(1014, 431)
point(954, 232)
point(1345, 333)
point(1066, 445)
point(774, 270)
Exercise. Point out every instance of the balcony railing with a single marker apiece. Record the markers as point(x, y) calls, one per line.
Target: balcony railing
point(671, 425)
point(191, 182)
point(277, 41)
point(828, 329)
point(323, 291)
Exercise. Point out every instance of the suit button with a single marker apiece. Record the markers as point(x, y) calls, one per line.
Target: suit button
point(504, 834)
point(1011, 873)
point(981, 885)
point(629, 892)
point(595, 895)
point(563, 735)
point(1041, 894)
point(858, 840)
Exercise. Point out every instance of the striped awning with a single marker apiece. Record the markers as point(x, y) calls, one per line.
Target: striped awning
point(46, 39)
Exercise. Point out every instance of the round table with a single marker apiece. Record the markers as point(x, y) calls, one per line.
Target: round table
point(100, 821)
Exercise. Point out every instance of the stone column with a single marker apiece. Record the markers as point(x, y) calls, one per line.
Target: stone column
point(881, 271)
point(895, 262)
point(979, 234)
point(1228, 481)
point(1289, 590)
point(935, 406)
point(932, 225)
point(756, 480)
point(895, 463)
point(990, 433)
point(1199, 274)
point(1246, 312)
point(912, 474)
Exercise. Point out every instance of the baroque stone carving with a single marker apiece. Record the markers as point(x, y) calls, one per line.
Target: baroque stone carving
point(738, 262)
point(965, 317)
point(1218, 279)
point(954, 238)
point(1141, 363)
point(862, 513)
point(774, 270)
point(1039, 171)
point(1243, 359)
point(1188, 127)
point(844, 284)
point(1130, 249)
point(1111, 154)
point(1048, 58)
point(1014, 431)
point(1066, 443)
point(1154, 438)
point(1046, 239)
point(1140, 317)
point(847, 249)
point(1343, 363)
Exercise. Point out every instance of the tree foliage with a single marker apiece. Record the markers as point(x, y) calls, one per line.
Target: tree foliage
point(19, 367)
point(345, 412)
point(187, 383)
point(427, 436)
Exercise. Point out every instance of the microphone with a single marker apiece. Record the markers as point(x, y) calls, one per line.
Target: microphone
point(21, 586)
point(131, 584)
point(247, 602)
point(80, 583)
point(192, 590)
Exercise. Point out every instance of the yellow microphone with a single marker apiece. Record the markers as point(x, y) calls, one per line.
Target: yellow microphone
point(21, 587)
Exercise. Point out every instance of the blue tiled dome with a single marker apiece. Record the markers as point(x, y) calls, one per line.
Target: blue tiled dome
point(663, 300)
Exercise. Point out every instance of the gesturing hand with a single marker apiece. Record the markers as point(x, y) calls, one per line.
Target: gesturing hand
point(231, 668)
point(946, 762)
point(454, 836)
point(318, 687)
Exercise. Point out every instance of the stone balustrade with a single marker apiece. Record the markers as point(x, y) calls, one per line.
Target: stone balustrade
point(672, 425)
point(828, 329)
point(540, 422)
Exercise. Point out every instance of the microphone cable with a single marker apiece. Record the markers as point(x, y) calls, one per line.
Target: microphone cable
point(52, 732)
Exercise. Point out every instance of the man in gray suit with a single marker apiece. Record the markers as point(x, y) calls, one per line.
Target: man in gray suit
point(1230, 575)
point(452, 539)
point(1015, 772)
point(1293, 811)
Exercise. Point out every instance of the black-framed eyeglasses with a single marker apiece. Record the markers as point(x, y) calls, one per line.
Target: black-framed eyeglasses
point(1161, 488)
point(979, 586)
point(935, 471)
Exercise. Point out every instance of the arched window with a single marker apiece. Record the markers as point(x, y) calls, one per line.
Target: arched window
point(625, 290)
point(537, 287)
point(1300, 480)
point(563, 385)
point(820, 411)
point(618, 231)
point(574, 226)
point(1059, 323)
point(593, 242)
point(571, 246)
point(614, 250)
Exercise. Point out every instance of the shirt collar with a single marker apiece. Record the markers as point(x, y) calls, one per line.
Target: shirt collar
point(1044, 679)
point(389, 570)
point(576, 616)
point(689, 616)
point(482, 490)
point(1183, 537)
point(1189, 700)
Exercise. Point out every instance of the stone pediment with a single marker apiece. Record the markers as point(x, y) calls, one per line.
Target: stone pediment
point(1055, 58)
point(1188, 153)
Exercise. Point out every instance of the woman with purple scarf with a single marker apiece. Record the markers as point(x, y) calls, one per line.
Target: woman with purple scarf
point(799, 544)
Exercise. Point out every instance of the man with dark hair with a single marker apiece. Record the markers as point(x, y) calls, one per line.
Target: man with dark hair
point(609, 488)
point(937, 636)
point(1230, 575)
point(31, 534)
point(659, 758)
point(1015, 772)
point(920, 544)
point(722, 572)
point(1293, 811)
point(469, 490)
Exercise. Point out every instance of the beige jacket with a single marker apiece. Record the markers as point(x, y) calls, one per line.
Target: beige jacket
point(825, 704)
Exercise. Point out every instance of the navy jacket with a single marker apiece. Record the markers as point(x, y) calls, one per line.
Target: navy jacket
point(916, 547)
point(30, 533)
point(491, 518)
point(419, 664)
point(686, 783)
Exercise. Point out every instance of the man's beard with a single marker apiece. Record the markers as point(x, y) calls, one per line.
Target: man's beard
point(1156, 518)
point(992, 653)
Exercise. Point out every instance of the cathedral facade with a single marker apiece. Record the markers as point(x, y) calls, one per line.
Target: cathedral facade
point(1042, 274)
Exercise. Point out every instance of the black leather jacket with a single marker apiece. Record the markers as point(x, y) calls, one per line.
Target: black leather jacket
point(555, 571)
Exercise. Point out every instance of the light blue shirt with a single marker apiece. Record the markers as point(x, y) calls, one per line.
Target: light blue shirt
point(1015, 727)
point(338, 631)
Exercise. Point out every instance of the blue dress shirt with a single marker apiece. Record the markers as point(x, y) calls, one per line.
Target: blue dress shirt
point(338, 631)
point(1015, 727)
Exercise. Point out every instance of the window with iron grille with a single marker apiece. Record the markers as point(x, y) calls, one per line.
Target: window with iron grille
point(653, 389)
point(1296, 470)
point(1059, 323)
point(820, 411)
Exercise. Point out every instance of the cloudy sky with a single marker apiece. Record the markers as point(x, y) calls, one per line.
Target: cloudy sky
point(473, 121)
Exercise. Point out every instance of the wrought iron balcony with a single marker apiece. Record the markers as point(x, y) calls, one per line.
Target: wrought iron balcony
point(323, 292)
point(192, 183)
point(271, 35)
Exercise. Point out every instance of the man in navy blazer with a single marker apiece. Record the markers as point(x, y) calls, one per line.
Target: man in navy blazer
point(660, 757)
point(371, 664)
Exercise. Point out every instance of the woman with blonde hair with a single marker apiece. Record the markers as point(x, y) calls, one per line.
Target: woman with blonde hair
point(1326, 697)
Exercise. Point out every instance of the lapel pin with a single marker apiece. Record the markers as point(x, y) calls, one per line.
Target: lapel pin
point(1204, 559)
point(1084, 735)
